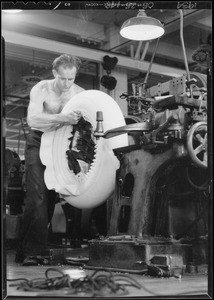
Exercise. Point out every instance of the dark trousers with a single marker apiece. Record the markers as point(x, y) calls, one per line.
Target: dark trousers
point(39, 204)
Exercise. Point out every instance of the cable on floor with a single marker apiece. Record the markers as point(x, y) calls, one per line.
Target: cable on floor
point(100, 283)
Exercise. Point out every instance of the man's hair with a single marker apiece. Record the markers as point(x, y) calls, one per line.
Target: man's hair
point(67, 61)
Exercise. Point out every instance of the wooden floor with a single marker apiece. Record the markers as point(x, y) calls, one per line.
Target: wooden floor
point(189, 285)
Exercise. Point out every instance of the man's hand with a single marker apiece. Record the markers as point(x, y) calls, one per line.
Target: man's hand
point(73, 117)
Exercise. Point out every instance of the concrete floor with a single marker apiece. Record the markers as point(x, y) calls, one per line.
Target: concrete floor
point(190, 285)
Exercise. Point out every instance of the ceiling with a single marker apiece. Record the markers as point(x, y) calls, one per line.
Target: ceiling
point(33, 38)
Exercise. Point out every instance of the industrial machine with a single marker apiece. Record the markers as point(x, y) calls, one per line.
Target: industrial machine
point(160, 211)
point(151, 207)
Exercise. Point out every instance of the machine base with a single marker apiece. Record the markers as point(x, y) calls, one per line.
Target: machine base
point(125, 253)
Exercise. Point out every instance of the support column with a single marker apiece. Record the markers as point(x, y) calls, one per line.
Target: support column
point(122, 87)
point(120, 74)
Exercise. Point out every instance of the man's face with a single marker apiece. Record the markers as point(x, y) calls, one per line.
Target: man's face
point(64, 78)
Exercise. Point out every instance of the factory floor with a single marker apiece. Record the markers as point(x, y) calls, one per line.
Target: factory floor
point(190, 285)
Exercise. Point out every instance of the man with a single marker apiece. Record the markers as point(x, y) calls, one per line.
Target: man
point(47, 99)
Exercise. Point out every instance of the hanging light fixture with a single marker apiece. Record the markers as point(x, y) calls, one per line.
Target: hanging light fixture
point(12, 11)
point(142, 28)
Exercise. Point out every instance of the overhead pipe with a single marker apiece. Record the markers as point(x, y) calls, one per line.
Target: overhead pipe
point(150, 66)
point(184, 51)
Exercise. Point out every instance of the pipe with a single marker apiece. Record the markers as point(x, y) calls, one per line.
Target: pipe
point(150, 66)
point(184, 52)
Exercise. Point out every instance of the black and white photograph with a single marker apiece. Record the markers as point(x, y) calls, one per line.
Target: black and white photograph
point(106, 150)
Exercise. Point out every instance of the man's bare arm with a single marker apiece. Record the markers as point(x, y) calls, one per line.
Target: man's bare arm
point(39, 119)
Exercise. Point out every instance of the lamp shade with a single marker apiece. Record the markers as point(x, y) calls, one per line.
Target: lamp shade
point(142, 28)
point(12, 11)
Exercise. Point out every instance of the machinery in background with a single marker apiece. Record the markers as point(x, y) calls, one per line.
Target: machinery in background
point(15, 189)
point(14, 194)
point(173, 111)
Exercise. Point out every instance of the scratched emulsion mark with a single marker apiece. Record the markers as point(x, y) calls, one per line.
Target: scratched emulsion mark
point(55, 7)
